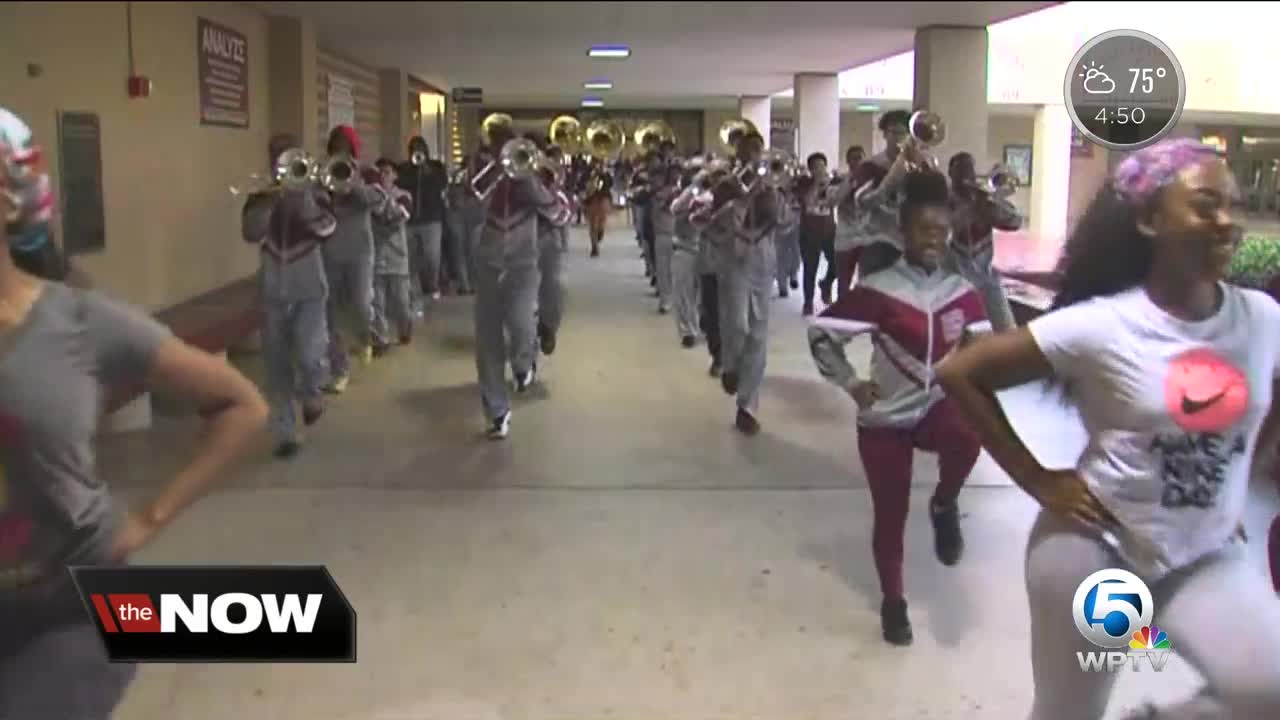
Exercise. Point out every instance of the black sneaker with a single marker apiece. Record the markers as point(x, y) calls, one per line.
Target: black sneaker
point(825, 288)
point(807, 310)
point(287, 449)
point(662, 309)
point(312, 413)
point(729, 382)
point(499, 427)
point(688, 341)
point(795, 284)
point(894, 622)
point(784, 293)
point(948, 542)
point(525, 381)
point(747, 423)
point(547, 339)
point(714, 370)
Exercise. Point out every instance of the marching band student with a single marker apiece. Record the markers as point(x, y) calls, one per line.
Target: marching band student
point(877, 201)
point(65, 350)
point(817, 230)
point(290, 225)
point(916, 314)
point(348, 260)
point(848, 238)
point(976, 214)
point(709, 240)
point(684, 258)
point(742, 224)
point(392, 306)
point(640, 192)
point(597, 202)
point(1174, 373)
point(553, 241)
point(787, 244)
point(425, 183)
point(507, 283)
point(666, 186)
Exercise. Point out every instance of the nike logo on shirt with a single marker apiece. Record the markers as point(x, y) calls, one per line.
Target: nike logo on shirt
point(1191, 407)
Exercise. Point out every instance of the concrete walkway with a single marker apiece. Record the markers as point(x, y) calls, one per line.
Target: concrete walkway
point(624, 555)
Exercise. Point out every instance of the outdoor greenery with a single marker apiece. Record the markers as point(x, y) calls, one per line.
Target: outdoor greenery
point(1257, 261)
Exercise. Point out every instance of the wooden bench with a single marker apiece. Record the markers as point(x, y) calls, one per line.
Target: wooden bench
point(215, 322)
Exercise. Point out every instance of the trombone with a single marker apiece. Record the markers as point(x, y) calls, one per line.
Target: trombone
point(519, 159)
point(1000, 182)
point(294, 169)
point(774, 170)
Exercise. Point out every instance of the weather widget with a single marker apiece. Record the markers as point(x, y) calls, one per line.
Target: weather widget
point(1124, 89)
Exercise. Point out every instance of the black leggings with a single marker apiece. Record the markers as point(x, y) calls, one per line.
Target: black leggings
point(814, 244)
point(710, 314)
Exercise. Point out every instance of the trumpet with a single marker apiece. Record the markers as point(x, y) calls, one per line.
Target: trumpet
point(774, 170)
point(341, 174)
point(295, 168)
point(418, 158)
point(519, 159)
point(999, 182)
point(927, 130)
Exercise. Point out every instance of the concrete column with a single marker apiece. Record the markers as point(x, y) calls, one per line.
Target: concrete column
point(295, 109)
point(817, 102)
point(759, 110)
point(393, 98)
point(1050, 173)
point(951, 80)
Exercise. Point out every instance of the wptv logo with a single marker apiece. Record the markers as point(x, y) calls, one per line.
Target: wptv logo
point(219, 614)
point(1113, 609)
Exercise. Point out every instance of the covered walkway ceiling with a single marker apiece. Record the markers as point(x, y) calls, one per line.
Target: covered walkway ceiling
point(683, 54)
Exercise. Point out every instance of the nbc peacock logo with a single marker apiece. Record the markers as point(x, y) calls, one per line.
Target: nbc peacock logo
point(1150, 638)
point(1113, 609)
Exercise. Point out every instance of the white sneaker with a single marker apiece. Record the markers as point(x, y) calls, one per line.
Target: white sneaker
point(500, 427)
point(525, 381)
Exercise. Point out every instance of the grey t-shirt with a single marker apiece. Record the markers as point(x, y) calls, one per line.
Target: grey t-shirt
point(56, 370)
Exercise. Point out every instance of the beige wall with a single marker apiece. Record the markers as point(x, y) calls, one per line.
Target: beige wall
point(171, 222)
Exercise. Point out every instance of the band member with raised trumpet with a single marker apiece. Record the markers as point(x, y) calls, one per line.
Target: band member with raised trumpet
point(290, 222)
point(640, 195)
point(877, 200)
point(425, 179)
point(694, 195)
point(916, 313)
point(849, 237)
point(65, 351)
point(507, 276)
point(746, 212)
point(348, 254)
point(817, 229)
point(392, 303)
point(976, 213)
point(665, 180)
point(597, 203)
point(1173, 372)
point(553, 242)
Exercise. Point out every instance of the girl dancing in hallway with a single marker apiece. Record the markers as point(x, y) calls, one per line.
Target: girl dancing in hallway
point(64, 350)
point(598, 203)
point(916, 313)
point(1172, 371)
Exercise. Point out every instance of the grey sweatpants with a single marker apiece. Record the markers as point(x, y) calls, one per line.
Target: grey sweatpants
point(504, 323)
point(424, 256)
point(460, 248)
point(1221, 614)
point(663, 248)
point(551, 250)
point(977, 269)
point(351, 304)
point(788, 249)
point(685, 300)
point(392, 309)
point(295, 338)
point(746, 289)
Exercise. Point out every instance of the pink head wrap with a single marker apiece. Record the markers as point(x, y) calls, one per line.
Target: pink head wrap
point(1141, 175)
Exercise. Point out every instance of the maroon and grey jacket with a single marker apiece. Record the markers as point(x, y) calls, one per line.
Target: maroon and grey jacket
point(289, 228)
point(509, 237)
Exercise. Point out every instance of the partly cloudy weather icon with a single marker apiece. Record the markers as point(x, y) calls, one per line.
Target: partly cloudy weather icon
point(1097, 82)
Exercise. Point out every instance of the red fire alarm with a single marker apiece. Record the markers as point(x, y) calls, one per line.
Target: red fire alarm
point(139, 86)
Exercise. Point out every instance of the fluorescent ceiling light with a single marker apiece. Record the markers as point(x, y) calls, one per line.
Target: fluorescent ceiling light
point(592, 102)
point(609, 51)
point(866, 107)
point(597, 85)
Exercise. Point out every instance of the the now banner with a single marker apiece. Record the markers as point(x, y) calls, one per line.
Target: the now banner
point(253, 614)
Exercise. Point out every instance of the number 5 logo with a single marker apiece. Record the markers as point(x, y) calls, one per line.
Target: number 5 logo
point(1110, 605)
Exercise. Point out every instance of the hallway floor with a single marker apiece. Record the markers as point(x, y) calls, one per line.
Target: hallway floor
point(625, 554)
